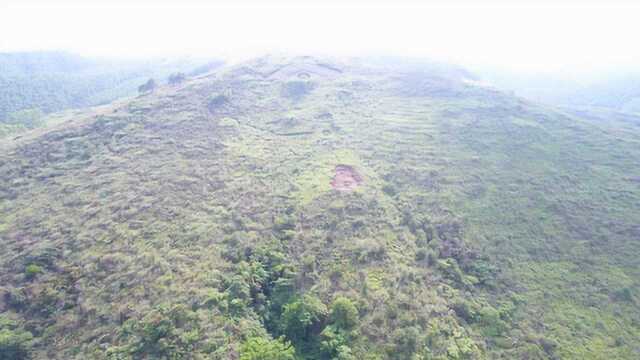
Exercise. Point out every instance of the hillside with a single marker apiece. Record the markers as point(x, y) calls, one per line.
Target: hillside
point(324, 210)
point(33, 84)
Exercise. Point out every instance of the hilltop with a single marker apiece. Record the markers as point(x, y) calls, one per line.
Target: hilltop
point(322, 209)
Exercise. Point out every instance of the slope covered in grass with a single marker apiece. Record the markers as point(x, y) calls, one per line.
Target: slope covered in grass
point(33, 84)
point(200, 222)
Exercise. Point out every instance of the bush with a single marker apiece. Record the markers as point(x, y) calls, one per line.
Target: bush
point(176, 78)
point(258, 348)
point(31, 271)
point(296, 90)
point(333, 344)
point(407, 342)
point(147, 87)
point(389, 190)
point(29, 118)
point(623, 294)
point(217, 103)
point(344, 314)
point(165, 332)
point(15, 345)
point(303, 318)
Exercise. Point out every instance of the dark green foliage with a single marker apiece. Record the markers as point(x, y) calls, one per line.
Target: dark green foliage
point(389, 190)
point(258, 348)
point(31, 271)
point(623, 294)
point(406, 343)
point(28, 118)
point(217, 103)
point(147, 87)
point(343, 314)
point(303, 319)
point(334, 344)
point(164, 333)
point(34, 82)
point(176, 78)
point(297, 89)
point(15, 343)
point(484, 271)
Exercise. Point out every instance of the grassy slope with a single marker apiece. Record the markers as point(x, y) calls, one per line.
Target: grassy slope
point(140, 206)
point(53, 81)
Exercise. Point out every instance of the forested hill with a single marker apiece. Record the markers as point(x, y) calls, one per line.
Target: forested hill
point(304, 208)
point(36, 83)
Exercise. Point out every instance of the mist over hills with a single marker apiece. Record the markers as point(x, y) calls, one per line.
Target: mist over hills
point(615, 89)
point(318, 208)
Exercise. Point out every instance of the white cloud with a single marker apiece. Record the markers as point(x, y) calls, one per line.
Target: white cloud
point(527, 35)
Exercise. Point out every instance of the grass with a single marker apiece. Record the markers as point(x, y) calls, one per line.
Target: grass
point(525, 214)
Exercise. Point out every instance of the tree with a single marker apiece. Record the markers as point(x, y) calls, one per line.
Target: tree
point(147, 87)
point(334, 344)
point(166, 332)
point(344, 314)
point(259, 348)
point(177, 78)
point(14, 345)
point(302, 318)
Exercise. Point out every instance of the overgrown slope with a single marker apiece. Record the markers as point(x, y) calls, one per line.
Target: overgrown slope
point(201, 221)
point(33, 84)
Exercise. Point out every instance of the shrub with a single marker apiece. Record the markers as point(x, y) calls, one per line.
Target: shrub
point(303, 318)
point(489, 319)
point(407, 342)
point(176, 78)
point(344, 314)
point(29, 118)
point(31, 271)
point(333, 344)
point(15, 344)
point(258, 348)
point(147, 87)
point(389, 190)
point(216, 103)
point(296, 90)
point(165, 332)
point(623, 294)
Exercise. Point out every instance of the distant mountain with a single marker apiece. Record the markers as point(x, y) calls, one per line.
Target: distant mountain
point(310, 208)
point(617, 90)
point(45, 82)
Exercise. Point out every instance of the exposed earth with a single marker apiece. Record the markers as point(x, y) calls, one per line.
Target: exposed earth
point(346, 178)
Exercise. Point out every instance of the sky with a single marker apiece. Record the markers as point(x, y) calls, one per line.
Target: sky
point(519, 35)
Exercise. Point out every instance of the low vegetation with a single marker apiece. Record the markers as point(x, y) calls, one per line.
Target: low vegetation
point(200, 222)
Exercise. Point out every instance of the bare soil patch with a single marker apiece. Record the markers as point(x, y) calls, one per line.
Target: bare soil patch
point(346, 178)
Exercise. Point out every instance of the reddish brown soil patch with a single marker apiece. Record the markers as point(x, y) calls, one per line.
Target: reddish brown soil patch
point(346, 178)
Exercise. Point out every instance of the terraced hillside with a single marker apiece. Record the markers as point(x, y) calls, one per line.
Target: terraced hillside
point(311, 209)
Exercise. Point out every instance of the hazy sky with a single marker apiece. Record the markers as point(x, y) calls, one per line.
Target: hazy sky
point(542, 34)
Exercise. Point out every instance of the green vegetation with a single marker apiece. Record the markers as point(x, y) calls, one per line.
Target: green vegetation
point(258, 348)
point(36, 83)
point(31, 271)
point(176, 78)
point(199, 222)
point(15, 343)
point(147, 87)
